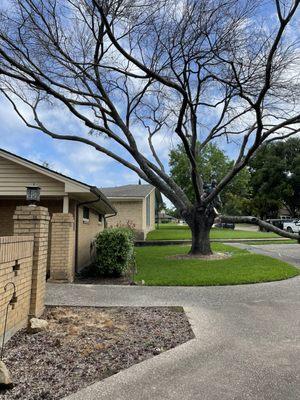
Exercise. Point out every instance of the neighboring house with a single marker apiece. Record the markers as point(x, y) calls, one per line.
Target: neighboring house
point(165, 218)
point(86, 205)
point(284, 213)
point(136, 206)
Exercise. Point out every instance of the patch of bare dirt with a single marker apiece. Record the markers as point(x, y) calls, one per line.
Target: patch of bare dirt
point(214, 256)
point(85, 344)
point(98, 280)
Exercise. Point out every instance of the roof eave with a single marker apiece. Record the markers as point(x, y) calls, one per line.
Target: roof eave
point(103, 198)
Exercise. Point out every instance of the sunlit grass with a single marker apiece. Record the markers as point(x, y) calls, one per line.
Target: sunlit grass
point(242, 267)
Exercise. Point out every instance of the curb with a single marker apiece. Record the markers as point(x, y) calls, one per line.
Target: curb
point(142, 243)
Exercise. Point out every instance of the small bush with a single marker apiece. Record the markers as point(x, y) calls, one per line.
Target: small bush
point(114, 251)
point(128, 225)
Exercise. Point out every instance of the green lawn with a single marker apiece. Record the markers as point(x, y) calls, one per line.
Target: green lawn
point(243, 267)
point(181, 232)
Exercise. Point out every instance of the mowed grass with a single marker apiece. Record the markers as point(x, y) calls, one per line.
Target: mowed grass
point(183, 232)
point(242, 267)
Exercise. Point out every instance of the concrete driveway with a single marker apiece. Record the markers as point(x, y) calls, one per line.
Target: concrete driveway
point(247, 343)
point(285, 252)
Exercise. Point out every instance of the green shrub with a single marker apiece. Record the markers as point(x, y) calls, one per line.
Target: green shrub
point(114, 251)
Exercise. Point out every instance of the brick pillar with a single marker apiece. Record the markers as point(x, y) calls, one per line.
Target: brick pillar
point(34, 220)
point(62, 248)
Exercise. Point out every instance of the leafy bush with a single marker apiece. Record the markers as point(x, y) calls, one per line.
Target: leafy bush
point(128, 225)
point(114, 251)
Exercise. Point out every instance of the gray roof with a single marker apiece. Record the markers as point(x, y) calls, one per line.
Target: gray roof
point(163, 215)
point(128, 191)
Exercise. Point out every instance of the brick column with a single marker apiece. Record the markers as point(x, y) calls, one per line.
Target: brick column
point(62, 248)
point(34, 220)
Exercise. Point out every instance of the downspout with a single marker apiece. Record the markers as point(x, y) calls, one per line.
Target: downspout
point(96, 192)
point(108, 216)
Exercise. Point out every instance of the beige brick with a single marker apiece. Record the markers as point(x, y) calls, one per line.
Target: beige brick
point(134, 213)
point(36, 220)
point(62, 247)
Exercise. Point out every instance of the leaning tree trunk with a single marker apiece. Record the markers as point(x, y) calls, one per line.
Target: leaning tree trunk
point(200, 222)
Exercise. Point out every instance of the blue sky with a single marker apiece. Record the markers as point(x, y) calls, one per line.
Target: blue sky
point(76, 160)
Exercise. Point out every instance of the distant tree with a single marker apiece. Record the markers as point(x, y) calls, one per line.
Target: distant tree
point(275, 179)
point(46, 164)
point(213, 164)
point(173, 212)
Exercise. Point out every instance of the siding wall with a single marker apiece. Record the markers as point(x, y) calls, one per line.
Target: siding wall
point(14, 178)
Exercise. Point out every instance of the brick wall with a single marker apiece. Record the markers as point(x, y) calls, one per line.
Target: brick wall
point(33, 220)
point(87, 231)
point(23, 262)
point(12, 249)
point(134, 212)
point(128, 211)
point(8, 206)
point(62, 248)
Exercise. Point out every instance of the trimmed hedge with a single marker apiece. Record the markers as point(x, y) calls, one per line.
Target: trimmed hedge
point(114, 251)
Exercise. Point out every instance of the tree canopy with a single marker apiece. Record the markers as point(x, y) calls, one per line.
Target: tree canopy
point(213, 164)
point(275, 179)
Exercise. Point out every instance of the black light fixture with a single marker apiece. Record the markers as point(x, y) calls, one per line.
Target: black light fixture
point(33, 194)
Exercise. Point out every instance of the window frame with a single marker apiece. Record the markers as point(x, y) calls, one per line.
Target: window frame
point(84, 218)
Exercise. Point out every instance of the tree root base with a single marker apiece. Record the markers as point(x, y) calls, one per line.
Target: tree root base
point(214, 256)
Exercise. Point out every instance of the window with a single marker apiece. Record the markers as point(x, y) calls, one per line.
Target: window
point(86, 213)
point(148, 210)
point(100, 216)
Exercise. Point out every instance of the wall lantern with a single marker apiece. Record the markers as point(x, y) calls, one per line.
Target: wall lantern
point(33, 194)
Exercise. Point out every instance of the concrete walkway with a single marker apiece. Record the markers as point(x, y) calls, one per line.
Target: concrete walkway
point(286, 252)
point(247, 343)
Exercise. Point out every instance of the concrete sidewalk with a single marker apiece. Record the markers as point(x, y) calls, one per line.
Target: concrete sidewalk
point(286, 252)
point(247, 343)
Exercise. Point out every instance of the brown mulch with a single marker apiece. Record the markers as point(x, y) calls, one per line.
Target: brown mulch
point(98, 280)
point(85, 344)
point(214, 256)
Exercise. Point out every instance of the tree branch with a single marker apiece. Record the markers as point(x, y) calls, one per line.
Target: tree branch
point(262, 224)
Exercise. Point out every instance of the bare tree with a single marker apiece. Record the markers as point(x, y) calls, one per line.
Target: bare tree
point(199, 70)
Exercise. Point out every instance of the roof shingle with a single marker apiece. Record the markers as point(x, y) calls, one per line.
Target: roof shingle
point(128, 191)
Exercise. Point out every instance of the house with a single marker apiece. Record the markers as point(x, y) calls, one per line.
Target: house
point(164, 218)
point(136, 206)
point(77, 211)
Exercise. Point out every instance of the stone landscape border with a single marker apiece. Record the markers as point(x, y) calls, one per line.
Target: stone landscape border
point(141, 243)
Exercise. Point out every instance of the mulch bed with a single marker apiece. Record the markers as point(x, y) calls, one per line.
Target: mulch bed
point(98, 280)
point(86, 344)
point(214, 256)
point(90, 275)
